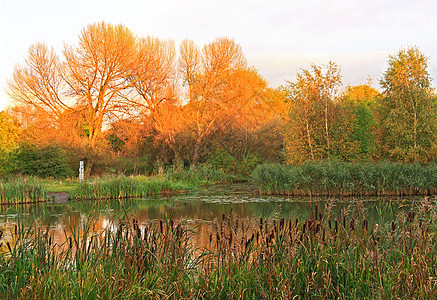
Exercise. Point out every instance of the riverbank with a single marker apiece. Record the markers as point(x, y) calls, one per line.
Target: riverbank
point(23, 190)
point(332, 179)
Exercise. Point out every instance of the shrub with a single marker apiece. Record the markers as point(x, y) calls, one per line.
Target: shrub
point(49, 161)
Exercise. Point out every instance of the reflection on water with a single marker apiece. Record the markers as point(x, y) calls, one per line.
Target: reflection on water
point(197, 209)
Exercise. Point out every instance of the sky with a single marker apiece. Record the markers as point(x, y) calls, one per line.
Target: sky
point(278, 37)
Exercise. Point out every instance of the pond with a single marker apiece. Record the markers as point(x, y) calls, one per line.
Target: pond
point(197, 209)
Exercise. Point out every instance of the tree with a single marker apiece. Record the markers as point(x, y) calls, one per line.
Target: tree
point(317, 127)
point(77, 96)
point(407, 111)
point(91, 80)
point(360, 102)
point(208, 75)
point(98, 70)
point(9, 135)
point(39, 84)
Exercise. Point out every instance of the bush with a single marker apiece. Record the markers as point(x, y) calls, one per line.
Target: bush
point(50, 161)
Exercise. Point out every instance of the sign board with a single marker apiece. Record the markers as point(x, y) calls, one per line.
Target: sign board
point(81, 171)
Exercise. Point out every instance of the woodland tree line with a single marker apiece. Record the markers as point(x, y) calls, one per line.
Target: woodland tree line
point(132, 104)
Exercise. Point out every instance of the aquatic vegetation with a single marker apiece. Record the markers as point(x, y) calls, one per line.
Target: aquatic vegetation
point(334, 178)
point(120, 187)
point(22, 190)
point(324, 256)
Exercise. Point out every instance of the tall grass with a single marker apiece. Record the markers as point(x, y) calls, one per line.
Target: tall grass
point(120, 187)
point(172, 180)
point(347, 179)
point(21, 190)
point(326, 256)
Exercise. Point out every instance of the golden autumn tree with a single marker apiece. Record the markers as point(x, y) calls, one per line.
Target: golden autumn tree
point(156, 89)
point(252, 123)
point(82, 92)
point(97, 72)
point(91, 79)
point(39, 84)
point(315, 128)
point(208, 74)
point(9, 136)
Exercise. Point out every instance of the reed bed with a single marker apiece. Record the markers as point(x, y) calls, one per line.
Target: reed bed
point(22, 190)
point(324, 257)
point(121, 187)
point(333, 178)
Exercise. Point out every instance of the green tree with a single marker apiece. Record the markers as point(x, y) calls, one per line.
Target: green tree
point(407, 111)
point(317, 125)
point(9, 134)
point(360, 101)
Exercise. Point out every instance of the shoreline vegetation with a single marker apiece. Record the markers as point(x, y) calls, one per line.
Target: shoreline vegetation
point(26, 190)
point(323, 178)
point(326, 256)
point(343, 179)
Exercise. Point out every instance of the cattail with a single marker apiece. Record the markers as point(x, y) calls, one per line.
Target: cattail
point(248, 242)
point(365, 224)
point(145, 233)
point(352, 224)
point(296, 223)
point(316, 210)
point(9, 246)
point(320, 216)
point(393, 227)
point(171, 224)
point(329, 224)
point(223, 217)
point(343, 219)
point(411, 216)
point(318, 227)
point(178, 231)
point(281, 224)
point(261, 224)
point(303, 227)
point(230, 238)
point(160, 226)
point(310, 225)
point(335, 226)
point(16, 229)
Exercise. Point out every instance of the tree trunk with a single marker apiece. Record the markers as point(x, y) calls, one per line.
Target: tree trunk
point(309, 139)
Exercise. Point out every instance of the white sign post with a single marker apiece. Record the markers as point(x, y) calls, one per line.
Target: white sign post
point(81, 171)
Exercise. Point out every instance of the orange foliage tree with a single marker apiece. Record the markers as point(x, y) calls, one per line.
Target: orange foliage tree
point(219, 86)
